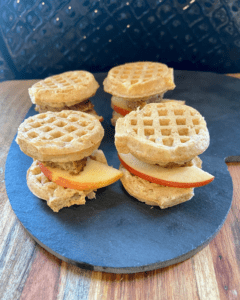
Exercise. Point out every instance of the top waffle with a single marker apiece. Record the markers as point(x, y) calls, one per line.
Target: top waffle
point(139, 80)
point(60, 137)
point(161, 133)
point(67, 88)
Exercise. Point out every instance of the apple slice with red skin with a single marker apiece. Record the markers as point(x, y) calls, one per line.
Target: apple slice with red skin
point(120, 106)
point(120, 110)
point(179, 177)
point(94, 176)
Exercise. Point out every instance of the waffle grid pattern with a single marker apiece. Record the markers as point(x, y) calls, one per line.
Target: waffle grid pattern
point(68, 88)
point(167, 127)
point(67, 81)
point(162, 133)
point(137, 73)
point(139, 80)
point(55, 131)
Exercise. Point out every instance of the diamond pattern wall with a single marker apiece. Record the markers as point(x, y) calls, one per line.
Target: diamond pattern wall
point(41, 38)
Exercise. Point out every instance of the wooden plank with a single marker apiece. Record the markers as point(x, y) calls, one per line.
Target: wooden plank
point(16, 255)
point(205, 275)
point(225, 264)
point(225, 247)
point(74, 283)
point(43, 279)
point(168, 283)
point(13, 94)
point(16, 248)
point(181, 275)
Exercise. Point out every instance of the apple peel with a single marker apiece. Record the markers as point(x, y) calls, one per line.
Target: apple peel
point(179, 177)
point(120, 110)
point(119, 105)
point(94, 176)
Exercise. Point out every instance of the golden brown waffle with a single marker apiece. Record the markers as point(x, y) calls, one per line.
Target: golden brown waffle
point(56, 196)
point(152, 193)
point(161, 133)
point(60, 137)
point(67, 88)
point(139, 80)
point(135, 104)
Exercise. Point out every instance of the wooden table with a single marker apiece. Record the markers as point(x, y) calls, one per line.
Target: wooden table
point(29, 272)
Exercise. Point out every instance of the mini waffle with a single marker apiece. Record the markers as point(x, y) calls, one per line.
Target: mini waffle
point(67, 88)
point(133, 105)
point(152, 193)
point(60, 137)
point(161, 133)
point(56, 196)
point(139, 80)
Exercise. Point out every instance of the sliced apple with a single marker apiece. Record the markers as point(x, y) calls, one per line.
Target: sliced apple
point(120, 110)
point(180, 177)
point(120, 106)
point(94, 176)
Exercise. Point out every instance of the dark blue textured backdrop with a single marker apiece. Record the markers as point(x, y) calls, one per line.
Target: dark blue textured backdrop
point(41, 38)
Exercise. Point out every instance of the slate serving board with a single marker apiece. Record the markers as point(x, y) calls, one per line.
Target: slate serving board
point(118, 234)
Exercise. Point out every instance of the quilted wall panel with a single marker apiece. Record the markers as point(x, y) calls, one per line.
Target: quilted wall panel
point(41, 38)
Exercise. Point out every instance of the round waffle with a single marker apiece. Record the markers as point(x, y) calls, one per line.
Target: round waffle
point(139, 80)
point(152, 193)
point(161, 133)
point(67, 89)
point(133, 106)
point(56, 196)
point(60, 137)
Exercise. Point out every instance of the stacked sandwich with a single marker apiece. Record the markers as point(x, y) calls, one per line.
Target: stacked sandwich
point(136, 84)
point(67, 166)
point(158, 147)
point(66, 91)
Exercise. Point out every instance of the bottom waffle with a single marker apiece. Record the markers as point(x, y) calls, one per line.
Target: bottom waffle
point(56, 196)
point(152, 193)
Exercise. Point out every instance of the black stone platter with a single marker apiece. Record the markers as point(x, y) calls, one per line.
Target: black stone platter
point(118, 234)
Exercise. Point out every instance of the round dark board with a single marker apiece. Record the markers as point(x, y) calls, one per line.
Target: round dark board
point(116, 233)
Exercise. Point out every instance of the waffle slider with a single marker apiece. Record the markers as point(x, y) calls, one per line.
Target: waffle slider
point(67, 166)
point(158, 148)
point(66, 91)
point(136, 84)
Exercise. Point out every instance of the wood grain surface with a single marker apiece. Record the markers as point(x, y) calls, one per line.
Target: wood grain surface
point(29, 272)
